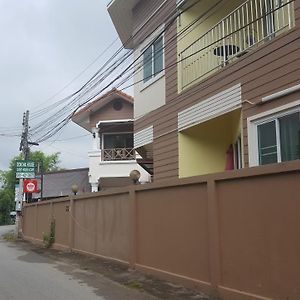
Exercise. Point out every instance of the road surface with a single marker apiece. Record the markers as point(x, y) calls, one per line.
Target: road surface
point(27, 275)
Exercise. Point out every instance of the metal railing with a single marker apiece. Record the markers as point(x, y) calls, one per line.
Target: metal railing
point(118, 154)
point(252, 23)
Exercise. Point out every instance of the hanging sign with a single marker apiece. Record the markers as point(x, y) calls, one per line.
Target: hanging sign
point(25, 169)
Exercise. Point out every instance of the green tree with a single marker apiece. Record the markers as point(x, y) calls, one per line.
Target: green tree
point(8, 180)
point(6, 205)
point(49, 162)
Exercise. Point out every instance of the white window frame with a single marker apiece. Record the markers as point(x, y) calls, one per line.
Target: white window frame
point(157, 76)
point(265, 117)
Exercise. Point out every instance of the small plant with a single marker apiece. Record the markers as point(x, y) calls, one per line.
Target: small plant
point(49, 238)
point(10, 237)
point(134, 285)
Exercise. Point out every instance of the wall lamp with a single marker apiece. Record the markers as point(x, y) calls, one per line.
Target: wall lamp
point(135, 176)
point(74, 189)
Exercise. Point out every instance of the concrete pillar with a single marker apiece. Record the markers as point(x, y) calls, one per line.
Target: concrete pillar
point(96, 139)
point(94, 186)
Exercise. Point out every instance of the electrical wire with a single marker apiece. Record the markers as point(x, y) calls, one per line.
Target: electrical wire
point(92, 83)
point(79, 75)
point(73, 138)
point(62, 123)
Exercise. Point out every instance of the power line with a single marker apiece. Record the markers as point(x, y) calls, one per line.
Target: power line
point(9, 135)
point(103, 73)
point(71, 105)
point(72, 138)
point(67, 151)
point(54, 129)
point(81, 73)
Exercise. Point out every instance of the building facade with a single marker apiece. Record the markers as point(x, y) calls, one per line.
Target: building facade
point(220, 82)
point(112, 157)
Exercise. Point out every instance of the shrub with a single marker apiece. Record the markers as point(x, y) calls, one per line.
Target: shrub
point(49, 238)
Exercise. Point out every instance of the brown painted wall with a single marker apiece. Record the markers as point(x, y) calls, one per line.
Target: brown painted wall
point(232, 234)
point(270, 68)
point(43, 224)
point(109, 113)
point(181, 213)
point(272, 237)
point(61, 216)
point(142, 12)
point(102, 226)
point(29, 223)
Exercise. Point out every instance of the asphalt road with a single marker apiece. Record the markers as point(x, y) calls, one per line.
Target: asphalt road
point(27, 275)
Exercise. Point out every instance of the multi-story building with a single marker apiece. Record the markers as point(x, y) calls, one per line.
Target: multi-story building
point(109, 118)
point(220, 82)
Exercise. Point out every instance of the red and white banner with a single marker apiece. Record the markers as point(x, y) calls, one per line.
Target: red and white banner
point(30, 186)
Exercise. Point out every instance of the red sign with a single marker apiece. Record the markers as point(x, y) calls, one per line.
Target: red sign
point(30, 186)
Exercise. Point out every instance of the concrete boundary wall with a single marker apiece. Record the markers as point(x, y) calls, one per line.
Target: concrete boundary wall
point(233, 234)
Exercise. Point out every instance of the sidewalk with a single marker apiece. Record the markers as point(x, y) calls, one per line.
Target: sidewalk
point(88, 267)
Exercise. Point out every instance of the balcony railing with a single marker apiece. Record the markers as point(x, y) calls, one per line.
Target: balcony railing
point(118, 154)
point(249, 25)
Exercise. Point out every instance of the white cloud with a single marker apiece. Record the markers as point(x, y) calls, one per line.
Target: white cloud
point(44, 45)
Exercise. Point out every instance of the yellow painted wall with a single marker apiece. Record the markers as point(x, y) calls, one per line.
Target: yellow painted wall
point(202, 148)
point(211, 13)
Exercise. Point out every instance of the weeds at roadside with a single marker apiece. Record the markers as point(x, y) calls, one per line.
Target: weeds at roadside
point(49, 238)
point(9, 237)
point(134, 285)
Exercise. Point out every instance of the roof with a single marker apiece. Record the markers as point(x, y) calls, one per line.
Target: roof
point(58, 184)
point(120, 12)
point(112, 94)
point(82, 115)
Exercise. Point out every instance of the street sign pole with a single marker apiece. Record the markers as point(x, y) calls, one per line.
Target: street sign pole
point(25, 169)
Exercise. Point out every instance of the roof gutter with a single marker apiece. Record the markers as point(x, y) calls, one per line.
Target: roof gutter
point(113, 121)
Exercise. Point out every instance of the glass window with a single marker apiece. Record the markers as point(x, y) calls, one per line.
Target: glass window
point(113, 141)
point(279, 139)
point(158, 56)
point(267, 145)
point(290, 137)
point(153, 59)
point(147, 62)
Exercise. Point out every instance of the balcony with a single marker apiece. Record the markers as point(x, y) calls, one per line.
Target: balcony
point(249, 25)
point(118, 154)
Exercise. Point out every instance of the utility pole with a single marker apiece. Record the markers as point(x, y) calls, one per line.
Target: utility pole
point(24, 139)
point(24, 142)
point(24, 147)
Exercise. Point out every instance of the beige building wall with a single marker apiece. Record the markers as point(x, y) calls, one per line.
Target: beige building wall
point(150, 95)
point(109, 113)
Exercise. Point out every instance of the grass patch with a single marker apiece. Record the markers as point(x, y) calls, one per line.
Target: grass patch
point(10, 236)
point(134, 285)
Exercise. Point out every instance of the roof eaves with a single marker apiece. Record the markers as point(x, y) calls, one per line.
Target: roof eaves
point(89, 106)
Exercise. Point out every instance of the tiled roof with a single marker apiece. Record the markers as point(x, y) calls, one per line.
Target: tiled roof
point(114, 92)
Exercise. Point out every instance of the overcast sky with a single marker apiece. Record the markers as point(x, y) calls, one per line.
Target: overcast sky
point(44, 45)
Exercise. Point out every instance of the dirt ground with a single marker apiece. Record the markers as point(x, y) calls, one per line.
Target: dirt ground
point(118, 273)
